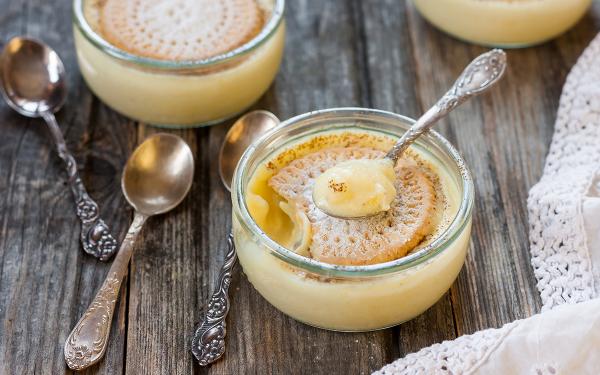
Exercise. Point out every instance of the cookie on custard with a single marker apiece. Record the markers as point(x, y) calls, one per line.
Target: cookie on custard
point(179, 29)
point(376, 239)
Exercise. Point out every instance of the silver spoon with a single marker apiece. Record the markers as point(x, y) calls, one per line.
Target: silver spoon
point(242, 133)
point(33, 84)
point(481, 74)
point(157, 177)
point(208, 344)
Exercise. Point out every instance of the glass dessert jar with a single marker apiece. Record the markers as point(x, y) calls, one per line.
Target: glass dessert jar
point(352, 298)
point(179, 93)
point(503, 23)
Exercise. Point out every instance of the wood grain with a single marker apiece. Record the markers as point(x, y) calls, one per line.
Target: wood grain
point(46, 281)
point(393, 87)
point(503, 137)
point(376, 53)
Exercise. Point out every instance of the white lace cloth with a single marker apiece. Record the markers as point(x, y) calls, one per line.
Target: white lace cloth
point(564, 217)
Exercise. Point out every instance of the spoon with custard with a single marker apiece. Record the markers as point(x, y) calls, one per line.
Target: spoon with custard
point(356, 189)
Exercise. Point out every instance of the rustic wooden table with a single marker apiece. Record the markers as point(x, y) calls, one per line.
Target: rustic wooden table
point(376, 53)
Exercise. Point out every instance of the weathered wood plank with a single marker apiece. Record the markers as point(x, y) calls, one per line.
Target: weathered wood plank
point(482, 297)
point(164, 276)
point(46, 281)
point(393, 86)
point(321, 69)
point(503, 137)
point(113, 137)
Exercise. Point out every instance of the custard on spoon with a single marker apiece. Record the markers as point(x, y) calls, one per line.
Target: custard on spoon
point(360, 188)
point(356, 188)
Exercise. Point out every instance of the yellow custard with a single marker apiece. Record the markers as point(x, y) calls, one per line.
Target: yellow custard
point(180, 77)
point(291, 228)
point(339, 297)
point(505, 23)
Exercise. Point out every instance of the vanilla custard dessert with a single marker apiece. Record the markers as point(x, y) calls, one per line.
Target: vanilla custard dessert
point(505, 23)
point(279, 199)
point(179, 62)
point(418, 212)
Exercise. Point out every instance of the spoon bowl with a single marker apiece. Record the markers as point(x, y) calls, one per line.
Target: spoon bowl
point(242, 133)
point(33, 77)
point(166, 161)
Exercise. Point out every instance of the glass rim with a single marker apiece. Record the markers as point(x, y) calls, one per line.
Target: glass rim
point(98, 41)
point(437, 246)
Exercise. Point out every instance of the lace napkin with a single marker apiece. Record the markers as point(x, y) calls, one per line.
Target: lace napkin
point(564, 217)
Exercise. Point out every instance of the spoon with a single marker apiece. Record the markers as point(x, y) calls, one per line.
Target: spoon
point(481, 74)
point(208, 344)
point(33, 84)
point(157, 177)
point(242, 133)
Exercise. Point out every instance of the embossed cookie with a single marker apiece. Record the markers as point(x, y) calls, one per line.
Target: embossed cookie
point(179, 29)
point(384, 237)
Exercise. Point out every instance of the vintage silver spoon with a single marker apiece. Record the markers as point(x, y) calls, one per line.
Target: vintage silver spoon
point(33, 84)
point(156, 178)
point(481, 74)
point(208, 344)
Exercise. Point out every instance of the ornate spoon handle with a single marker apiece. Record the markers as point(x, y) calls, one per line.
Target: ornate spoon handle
point(87, 342)
point(95, 236)
point(481, 74)
point(208, 343)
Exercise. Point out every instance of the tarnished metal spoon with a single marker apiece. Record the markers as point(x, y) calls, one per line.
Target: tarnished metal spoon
point(242, 133)
point(157, 177)
point(481, 74)
point(208, 344)
point(33, 84)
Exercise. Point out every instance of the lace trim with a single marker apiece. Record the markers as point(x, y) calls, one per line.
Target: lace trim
point(461, 356)
point(559, 253)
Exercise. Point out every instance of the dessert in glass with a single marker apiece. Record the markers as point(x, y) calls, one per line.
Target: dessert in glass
point(179, 63)
point(350, 274)
point(503, 23)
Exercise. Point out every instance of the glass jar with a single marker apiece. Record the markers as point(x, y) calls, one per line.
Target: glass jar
point(351, 298)
point(179, 93)
point(503, 23)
